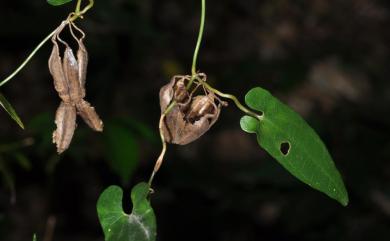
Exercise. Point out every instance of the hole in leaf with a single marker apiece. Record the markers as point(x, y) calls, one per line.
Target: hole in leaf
point(285, 148)
point(127, 204)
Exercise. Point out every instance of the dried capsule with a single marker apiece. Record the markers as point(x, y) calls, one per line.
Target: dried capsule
point(66, 125)
point(71, 71)
point(89, 115)
point(188, 119)
point(82, 59)
point(57, 71)
point(69, 74)
point(181, 94)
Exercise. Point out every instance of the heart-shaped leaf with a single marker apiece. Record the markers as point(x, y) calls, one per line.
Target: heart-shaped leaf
point(10, 110)
point(58, 2)
point(293, 143)
point(140, 225)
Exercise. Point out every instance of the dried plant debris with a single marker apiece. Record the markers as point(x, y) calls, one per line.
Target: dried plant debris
point(191, 116)
point(69, 73)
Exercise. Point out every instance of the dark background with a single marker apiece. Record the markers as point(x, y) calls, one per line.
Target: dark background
point(328, 59)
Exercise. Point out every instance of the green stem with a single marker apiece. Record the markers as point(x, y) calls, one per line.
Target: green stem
point(78, 14)
point(27, 59)
point(198, 43)
point(78, 6)
point(89, 6)
point(235, 100)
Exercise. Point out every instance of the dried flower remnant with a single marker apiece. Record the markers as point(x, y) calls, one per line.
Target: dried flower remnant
point(191, 116)
point(69, 75)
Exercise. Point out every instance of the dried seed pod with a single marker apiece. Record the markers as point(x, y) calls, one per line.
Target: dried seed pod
point(71, 71)
point(202, 106)
point(57, 71)
point(175, 90)
point(69, 76)
point(181, 94)
point(82, 59)
point(66, 125)
point(187, 120)
point(89, 115)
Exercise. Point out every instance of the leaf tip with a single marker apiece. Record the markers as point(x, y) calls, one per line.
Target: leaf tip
point(344, 200)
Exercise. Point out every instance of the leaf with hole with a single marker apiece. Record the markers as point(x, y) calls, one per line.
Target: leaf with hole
point(293, 143)
point(140, 225)
point(58, 2)
point(10, 110)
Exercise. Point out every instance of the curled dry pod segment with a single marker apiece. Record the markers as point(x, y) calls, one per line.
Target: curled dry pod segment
point(190, 119)
point(82, 58)
point(89, 115)
point(71, 70)
point(203, 107)
point(66, 125)
point(56, 68)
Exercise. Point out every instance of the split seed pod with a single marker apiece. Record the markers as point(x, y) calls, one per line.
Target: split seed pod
point(191, 117)
point(66, 125)
point(69, 75)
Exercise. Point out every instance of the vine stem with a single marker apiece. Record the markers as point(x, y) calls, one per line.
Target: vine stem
point(169, 108)
point(162, 154)
point(234, 99)
point(198, 43)
point(25, 62)
point(77, 14)
point(160, 159)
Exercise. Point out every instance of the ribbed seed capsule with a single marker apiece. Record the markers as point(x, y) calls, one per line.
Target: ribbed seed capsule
point(201, 106)
point(82, 59)
point(190, 117)
point(69, 74)
point(89, 115)
point(66, 125)
point(57, 71)
point(71, 71)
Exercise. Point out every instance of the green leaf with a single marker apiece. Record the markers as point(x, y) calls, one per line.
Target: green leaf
point(293, 143)
point(140, 225)
point(34, 237)
point(121, 150)
point(10, 110)
point(58, 2)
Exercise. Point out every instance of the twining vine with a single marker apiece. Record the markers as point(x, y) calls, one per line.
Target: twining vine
point(190, 106)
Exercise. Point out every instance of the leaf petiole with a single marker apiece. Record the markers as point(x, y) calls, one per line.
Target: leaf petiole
point(231, 97)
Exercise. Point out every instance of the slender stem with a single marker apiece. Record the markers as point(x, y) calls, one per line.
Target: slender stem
point(198, 43)
point(89, 6)
point(235, 100)
point(160, 159)
point(27, 59)
point(78, 14)
point(78, 6)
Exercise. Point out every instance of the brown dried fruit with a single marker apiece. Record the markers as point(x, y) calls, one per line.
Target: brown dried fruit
point(191, 117)
point(66, 125)
point(89, 115)
point(69, 76)
point(71, 71)
point(82, 58)
point(57, 71)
